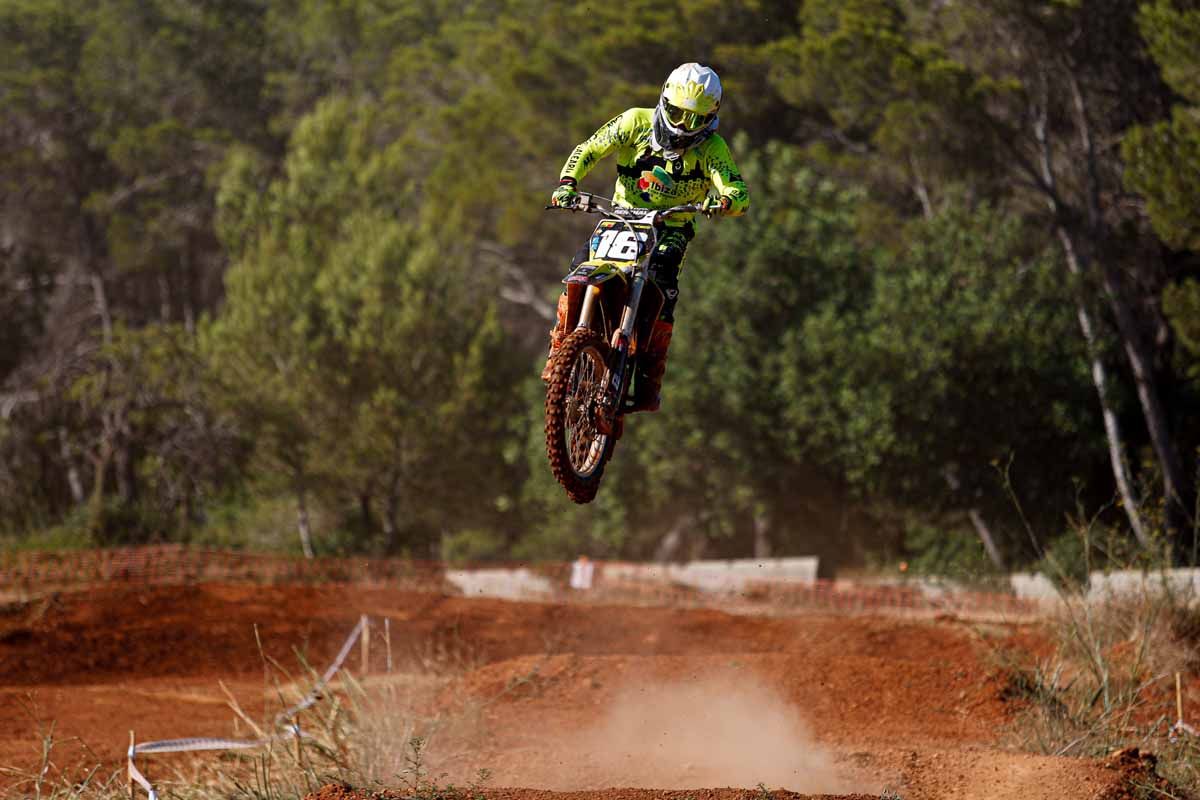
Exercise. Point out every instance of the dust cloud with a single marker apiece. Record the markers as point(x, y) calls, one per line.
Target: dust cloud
point(713, 731)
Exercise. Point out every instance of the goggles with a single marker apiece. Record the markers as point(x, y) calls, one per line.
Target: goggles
point(682, 118)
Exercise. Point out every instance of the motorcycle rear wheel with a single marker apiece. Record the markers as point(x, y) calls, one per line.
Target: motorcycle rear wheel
point(577, 449)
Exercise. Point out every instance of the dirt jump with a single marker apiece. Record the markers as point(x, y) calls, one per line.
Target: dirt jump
point(572, 701)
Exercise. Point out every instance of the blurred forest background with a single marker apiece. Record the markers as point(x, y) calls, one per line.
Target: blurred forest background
point(278, 275)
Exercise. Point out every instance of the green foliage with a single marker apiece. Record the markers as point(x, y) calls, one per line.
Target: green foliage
point(1164, 158)
point(912, 119)
point(748, 284)
point(952, 551)
point(242, 519)
point(1164, 166)
point(359, 350)
point(151, 419)
point(73, 532)
point(1171, 29)
point(558, 528)
point(917, 393)
point(258, 264)
point(1181, 304)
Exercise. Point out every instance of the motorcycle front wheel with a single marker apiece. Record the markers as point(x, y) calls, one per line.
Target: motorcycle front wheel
point(575, 445)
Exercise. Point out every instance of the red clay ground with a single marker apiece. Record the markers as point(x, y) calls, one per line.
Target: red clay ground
point(561, 697)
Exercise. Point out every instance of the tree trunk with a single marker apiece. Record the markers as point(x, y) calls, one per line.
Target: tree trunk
point(1140, 361)
point(985, 536)
point(189, 286)
point(671, 544)
point(1112, 431)
point(950, 473)
point(100, 300)
point(919, 187)
point(303, 526)
point(74, 482)
point(391, 509)
point(96, 515)
point(762, 535)
point(1132, 340)
point(390, 534)
point(164, 298)
point(1112, 428)
point(364, 511)
point(124, 471)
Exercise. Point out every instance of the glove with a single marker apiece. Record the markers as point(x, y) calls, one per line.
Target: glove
point(716, 205)
point(565, 196)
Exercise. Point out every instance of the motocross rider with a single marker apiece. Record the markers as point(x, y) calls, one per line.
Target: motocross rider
point(668, 155)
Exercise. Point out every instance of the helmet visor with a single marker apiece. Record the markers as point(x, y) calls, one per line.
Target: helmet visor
point(682, 118)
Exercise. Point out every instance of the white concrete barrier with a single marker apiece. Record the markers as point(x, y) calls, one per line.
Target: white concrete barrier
point(735, 575)
point(719, 576)
point(506, 584)
point(1184, 583)
point(1032, 586)
point(731, 575)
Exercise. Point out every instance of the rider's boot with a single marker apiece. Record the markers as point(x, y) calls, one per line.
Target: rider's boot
point(557, 334)
point(651, 366)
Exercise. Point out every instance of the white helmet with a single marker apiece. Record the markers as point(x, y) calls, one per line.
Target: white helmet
point(687, 107)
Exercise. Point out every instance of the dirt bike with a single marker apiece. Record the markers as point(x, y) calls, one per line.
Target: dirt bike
point(611, 307)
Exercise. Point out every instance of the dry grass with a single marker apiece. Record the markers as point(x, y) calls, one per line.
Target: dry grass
point(369, 733)
point(1110, 682)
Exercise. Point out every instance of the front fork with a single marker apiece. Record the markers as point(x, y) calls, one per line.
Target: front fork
point(614, 378)
point(623, 338)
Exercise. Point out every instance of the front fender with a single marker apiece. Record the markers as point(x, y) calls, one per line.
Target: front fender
point(594, 273)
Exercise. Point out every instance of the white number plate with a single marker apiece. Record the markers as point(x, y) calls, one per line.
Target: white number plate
point(619, 244)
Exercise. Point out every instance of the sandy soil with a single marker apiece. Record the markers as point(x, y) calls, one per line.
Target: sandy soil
point(570, 699)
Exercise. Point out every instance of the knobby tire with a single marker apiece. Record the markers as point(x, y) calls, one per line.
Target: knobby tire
point(585, 345)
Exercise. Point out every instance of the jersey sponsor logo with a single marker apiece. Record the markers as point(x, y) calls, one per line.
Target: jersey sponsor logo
point(573, 159)
point(657, 178)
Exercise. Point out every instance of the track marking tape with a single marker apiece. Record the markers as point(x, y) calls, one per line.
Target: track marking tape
point(282, 720)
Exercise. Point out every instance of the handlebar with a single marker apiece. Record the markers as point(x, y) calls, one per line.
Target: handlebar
point(587, 204)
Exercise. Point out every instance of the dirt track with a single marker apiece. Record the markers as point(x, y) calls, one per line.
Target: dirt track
point(563, 697)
